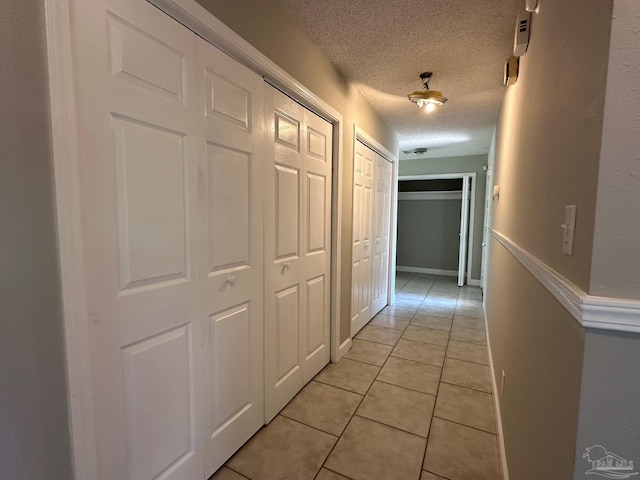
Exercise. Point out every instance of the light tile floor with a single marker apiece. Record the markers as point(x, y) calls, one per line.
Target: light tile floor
point(411, 400)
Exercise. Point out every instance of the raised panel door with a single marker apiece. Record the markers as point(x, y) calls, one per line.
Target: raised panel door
point(363, 186)
point(381, 231)
point(138, 161)
point(297, 248)
point(230, 197)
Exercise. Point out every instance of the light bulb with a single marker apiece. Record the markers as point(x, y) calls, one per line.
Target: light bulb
point(430, 107)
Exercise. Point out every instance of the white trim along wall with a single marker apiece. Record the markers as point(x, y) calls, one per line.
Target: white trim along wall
point(589, 311)
point(67, 192)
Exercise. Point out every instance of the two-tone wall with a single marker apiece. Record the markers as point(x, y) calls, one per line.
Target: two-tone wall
point(568, 135)
point(265, 25)
point(610, 393)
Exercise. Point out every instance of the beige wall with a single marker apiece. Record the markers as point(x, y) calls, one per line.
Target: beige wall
point(614, 272)
point(547, 156)
point(428, 234)
point(265, 25)
point(34, 430)
point(548, 136)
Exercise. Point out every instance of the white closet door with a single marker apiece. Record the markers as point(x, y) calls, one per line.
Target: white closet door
point(297, 248)
point(464, 229)
point(135, 78)
point(381, 229)
point(230, 204)
point(363, 171)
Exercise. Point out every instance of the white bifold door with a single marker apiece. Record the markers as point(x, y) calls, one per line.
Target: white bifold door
point(372, 178)
point(363, 170)
point(381, 235)
point(230, 197)
point(297, 248)
point(170, 156)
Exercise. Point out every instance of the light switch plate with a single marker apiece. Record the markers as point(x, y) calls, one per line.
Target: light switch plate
point(569, 227)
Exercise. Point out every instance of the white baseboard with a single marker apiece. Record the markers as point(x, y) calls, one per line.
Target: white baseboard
point(496, 405)
point(431, 271)
point(343, 349)
point(436, 271)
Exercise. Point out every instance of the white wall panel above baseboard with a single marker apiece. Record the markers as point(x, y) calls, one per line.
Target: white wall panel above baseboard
point(602, 313)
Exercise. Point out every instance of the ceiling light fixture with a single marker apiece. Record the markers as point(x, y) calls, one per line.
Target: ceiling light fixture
point(427, 98)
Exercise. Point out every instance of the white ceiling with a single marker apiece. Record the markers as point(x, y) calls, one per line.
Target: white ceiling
point(383, 45)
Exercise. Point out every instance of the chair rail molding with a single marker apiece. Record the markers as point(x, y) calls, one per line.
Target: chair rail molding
point(602, 313)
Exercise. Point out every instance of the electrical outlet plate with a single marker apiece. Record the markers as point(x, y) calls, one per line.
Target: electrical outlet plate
point(569, 227)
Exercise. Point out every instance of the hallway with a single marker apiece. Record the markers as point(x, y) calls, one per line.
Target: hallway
point(410, 400)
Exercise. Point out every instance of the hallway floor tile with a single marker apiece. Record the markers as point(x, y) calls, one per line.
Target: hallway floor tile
point(411, 400)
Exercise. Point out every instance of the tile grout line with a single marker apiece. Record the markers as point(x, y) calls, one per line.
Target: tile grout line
point(424, 456)
point(465, 425)
point(360, 403)
point(443, 292)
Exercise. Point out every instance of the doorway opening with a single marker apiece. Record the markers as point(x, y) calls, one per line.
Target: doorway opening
point(436, 219)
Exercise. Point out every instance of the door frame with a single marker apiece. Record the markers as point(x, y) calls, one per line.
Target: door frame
point(472, 220)
point(65, 136)
point(361, 135)
point(464, 232)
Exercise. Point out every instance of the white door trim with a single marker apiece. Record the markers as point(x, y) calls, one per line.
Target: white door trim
point(65, 168)
point(199, 20)
point(359, 134)
point(472, 208)
point(65, 164)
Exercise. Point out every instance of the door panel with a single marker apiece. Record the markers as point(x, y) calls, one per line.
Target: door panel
point(287, 212)
point(158, 375)
point(152, 220)
point(229, 336)
point(229, 204)
point(230, 113)
point(382, 227)
point(364, 162)
point(297, 254)
point(138, 165)
point(317, 228)
point(287, 327)
point(315, 316)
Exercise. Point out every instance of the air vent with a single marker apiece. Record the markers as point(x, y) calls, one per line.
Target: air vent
point(415, 151)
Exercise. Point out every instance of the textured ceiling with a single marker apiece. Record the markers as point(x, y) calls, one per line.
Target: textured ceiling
point(383, 45)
